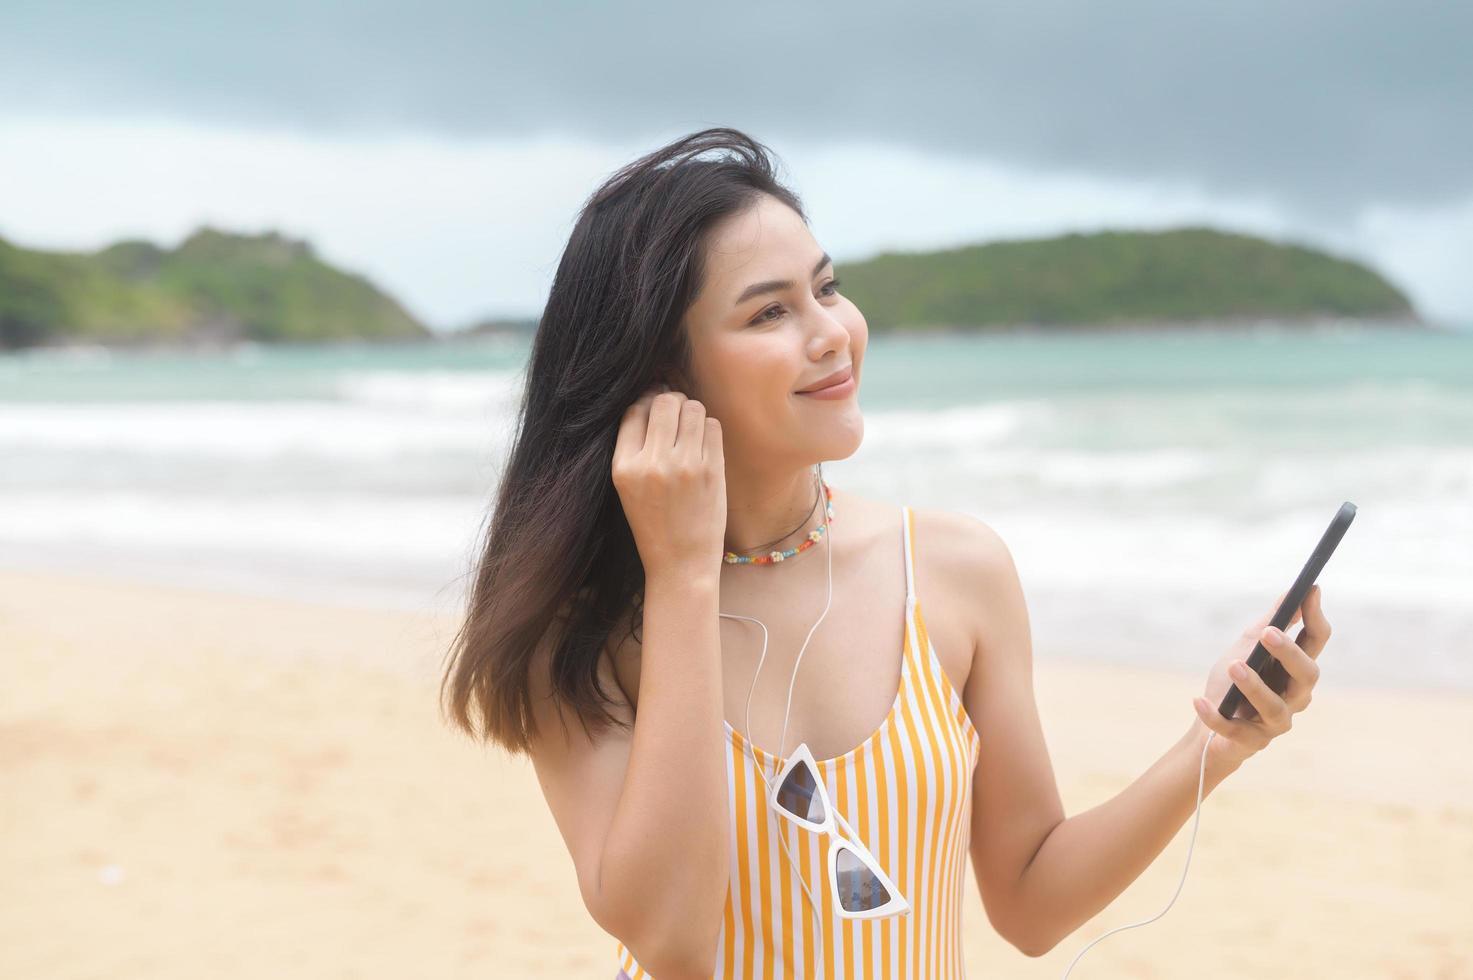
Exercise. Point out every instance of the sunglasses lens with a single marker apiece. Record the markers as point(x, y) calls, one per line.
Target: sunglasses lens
point(859, 888)
point(799, 795)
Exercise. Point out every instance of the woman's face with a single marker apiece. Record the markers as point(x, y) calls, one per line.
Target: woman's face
point(767, 322)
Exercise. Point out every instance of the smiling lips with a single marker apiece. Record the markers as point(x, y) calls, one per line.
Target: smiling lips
point(834, 380)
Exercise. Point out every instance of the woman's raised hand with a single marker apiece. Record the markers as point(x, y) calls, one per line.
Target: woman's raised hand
point(670, 474)
point(1272, 705)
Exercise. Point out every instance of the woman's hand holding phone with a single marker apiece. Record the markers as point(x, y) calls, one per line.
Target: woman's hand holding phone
point(1274, 701)
point(670, 473)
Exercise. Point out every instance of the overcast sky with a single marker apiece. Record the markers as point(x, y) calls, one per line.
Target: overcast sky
point(443, 148)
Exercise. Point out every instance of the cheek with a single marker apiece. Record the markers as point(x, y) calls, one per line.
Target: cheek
point(743, 368)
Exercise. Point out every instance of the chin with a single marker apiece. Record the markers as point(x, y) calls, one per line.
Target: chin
point(840, 441)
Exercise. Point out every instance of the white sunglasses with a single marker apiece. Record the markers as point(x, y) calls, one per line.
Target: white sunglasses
point(860, 887)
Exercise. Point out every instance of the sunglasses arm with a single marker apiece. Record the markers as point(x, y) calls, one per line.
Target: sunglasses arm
point(849, 831)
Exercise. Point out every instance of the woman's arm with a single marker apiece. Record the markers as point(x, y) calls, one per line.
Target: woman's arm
point(1042, 875)
point(643, 809)
point(1089, 859)
point(666, 859)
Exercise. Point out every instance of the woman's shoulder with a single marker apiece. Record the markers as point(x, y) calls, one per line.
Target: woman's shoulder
point(967, 551)
point(961, 563)
point(957, 536)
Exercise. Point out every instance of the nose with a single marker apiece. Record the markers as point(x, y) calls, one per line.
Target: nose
point(828, 331)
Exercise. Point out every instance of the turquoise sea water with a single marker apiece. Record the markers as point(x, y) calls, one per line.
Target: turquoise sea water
point(1160, 483)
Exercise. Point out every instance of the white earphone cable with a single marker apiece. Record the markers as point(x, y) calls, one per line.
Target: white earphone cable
point(782, 744)
point(1192, 842)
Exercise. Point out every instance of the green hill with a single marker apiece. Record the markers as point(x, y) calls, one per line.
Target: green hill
point(1116, 277)
point(214, 286)
point(219, 286)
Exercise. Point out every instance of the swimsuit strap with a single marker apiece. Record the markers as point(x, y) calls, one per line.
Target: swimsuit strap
point(906, 519)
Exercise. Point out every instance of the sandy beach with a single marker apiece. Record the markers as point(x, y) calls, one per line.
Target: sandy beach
point(200, 783)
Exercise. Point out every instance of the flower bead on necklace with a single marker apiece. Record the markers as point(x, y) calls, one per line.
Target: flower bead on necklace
point(773, 557)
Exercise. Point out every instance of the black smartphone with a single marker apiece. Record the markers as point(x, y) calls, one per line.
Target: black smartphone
point(1260, 659)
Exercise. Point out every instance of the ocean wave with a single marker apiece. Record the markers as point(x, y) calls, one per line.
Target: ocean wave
point(247, 430)
point(439, 391)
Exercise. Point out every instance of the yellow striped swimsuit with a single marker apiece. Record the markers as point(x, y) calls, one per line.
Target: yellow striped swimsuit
point(907, 790)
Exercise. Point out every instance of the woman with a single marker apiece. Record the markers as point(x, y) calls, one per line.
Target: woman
point(663, 529)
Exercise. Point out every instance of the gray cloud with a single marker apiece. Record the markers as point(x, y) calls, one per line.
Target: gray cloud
point(1319, 106)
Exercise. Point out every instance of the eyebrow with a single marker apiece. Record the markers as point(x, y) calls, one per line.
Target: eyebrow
point(773, 285)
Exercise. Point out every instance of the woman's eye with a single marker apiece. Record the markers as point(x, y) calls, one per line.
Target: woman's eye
point(763, 316)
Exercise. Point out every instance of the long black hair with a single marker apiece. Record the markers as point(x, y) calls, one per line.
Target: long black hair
point(558, 554)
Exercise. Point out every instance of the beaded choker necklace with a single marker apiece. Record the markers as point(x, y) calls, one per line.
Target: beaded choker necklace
point(772, 557)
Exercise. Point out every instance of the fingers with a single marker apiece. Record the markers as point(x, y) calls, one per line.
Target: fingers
point(712, 449)
point(1275, 712)
point(1316, 632)
point(663, 418)
point(665, 413)
point(633, 425)
point(1296, 661)
point(1243, 731)
point(692, 430)
point(1271, 708)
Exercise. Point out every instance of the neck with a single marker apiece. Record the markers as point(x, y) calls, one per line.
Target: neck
point(773, 509)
